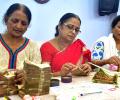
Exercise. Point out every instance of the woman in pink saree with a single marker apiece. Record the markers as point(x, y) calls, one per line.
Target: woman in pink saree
point(64, 53)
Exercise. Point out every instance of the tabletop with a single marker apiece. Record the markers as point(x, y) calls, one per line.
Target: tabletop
point(81, 85)
point(84, 85)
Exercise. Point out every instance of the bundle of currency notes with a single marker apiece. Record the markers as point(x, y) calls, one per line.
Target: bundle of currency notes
point(37, 78)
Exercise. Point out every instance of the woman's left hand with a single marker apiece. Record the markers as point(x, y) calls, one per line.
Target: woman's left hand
point(20, 77)
point(86, 68)
point(81, 69)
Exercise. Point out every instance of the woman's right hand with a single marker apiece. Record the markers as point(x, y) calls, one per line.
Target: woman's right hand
point(114, 60)
point(3, 89)
point(3, 86)
point(85, 68)
point(67, 68)
point(20, 77)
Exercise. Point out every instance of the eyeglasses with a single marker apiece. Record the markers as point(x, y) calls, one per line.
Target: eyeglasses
point(72, 27)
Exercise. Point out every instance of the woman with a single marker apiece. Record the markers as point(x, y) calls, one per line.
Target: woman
point(14, 48)
point(64, 53)
point(107, 49)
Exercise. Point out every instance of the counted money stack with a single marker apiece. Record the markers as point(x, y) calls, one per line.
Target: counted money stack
point(9, 86)
point(37, 78)
point(106, 76)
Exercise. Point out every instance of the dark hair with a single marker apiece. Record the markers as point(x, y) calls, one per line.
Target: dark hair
point(64, 18)
point(15, 7)
point(115, 21)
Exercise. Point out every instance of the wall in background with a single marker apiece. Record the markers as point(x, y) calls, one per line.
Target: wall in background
point(118, 13)
point(46, 16)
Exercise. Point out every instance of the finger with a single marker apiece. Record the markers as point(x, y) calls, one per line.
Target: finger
point(4, 86)
point(68, 67)
point(19, 79)
point(20, 75)
point(81, 66)
point(81, 70)
point(115, 60)
point(85, 67)
point(2, 82)
point(19, 72)
point(3, 91)
point(75, 68)
point(64, 70)
point(72, 65)
point(87, 71)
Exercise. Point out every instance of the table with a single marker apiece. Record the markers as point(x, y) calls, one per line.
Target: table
point(71, 91)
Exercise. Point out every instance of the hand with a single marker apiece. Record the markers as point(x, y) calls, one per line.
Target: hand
point(66, 68)
point(84, 69)
point(114, 60)
point(3, 85)
point(20, 77)
point(3, 91)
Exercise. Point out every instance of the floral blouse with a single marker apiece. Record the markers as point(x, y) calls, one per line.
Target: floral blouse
point(98, 51)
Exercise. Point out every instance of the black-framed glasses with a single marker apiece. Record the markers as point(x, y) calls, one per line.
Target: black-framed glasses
point(72, 27)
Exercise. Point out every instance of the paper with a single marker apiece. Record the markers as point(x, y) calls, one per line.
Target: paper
point(68, 91)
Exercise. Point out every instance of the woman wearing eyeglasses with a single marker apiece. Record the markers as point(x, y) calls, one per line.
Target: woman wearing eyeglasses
point(64, 53)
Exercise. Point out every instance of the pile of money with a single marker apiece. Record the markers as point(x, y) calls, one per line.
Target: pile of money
point(106, 76)
point(37, 78)
point(7, 82)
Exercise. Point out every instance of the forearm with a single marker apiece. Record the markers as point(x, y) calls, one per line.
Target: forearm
point(78, 73)
point(100, 62)
point(55, 74)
